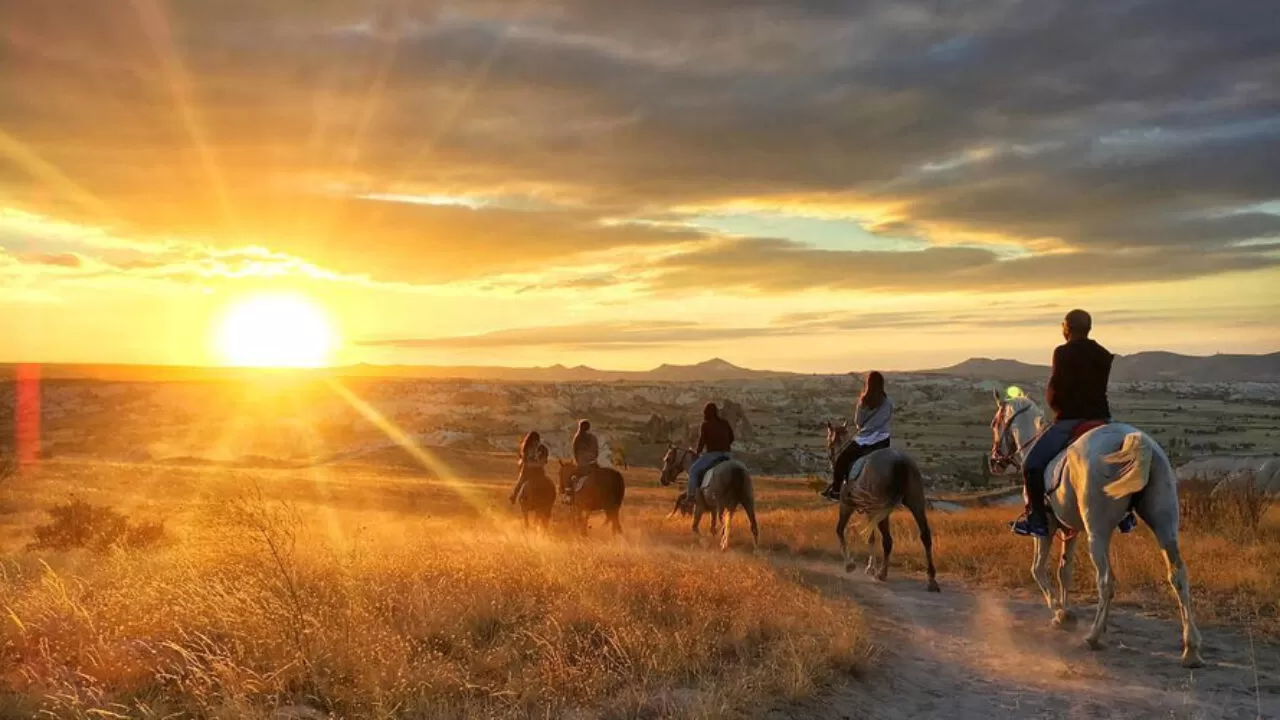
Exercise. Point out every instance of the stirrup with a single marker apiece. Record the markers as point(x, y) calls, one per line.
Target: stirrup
point(1128, 523)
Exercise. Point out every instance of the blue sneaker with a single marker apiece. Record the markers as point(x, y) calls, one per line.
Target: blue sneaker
point(1027, 526)
point(1129, 522)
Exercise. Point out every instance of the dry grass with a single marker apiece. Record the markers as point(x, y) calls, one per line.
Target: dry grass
point(367, 594)
point(1235, 573)
point(264, 604)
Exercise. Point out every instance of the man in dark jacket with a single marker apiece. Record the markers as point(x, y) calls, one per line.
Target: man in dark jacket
point(1077, 392)
point(715, 439)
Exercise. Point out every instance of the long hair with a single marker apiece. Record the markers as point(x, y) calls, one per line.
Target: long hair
point(530, 441)
point(873, 391)
point(710, 411)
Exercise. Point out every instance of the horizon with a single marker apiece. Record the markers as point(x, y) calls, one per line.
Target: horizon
point(897, 186)
point(606, 370)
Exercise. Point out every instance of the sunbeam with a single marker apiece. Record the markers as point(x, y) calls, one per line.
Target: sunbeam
point(424, 457)
point(156, 26)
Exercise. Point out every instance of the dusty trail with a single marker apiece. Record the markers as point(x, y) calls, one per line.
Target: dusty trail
point(970, 653)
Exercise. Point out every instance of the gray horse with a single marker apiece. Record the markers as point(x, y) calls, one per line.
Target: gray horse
point(1090, 486)
point(877, 484)
point(726, 486)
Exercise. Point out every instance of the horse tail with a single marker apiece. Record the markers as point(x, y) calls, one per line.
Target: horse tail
point(1131, 466)
point(895, 491)
point(620, 486)
point(737, 480)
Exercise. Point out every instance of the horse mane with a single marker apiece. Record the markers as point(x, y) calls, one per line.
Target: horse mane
point(1023, 403)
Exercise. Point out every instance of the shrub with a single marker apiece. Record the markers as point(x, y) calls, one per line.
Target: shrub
point(79, 524)
point(1231, 506)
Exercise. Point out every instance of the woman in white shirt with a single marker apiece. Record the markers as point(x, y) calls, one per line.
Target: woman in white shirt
point(871, 420)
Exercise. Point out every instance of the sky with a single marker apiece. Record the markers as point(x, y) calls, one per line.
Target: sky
point(804, 185)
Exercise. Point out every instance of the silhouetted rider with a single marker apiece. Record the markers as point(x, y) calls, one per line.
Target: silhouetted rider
point(1077, 392)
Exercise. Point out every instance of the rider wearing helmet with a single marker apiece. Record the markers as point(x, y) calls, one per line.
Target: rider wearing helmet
point(1077, 392)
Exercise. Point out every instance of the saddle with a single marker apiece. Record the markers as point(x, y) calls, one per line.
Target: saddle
point(706, 475)
point(1053, 475)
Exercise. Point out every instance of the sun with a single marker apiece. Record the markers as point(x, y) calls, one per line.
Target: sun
point(275, 330)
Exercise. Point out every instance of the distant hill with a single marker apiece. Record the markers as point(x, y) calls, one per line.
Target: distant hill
point(988, 369)
point(1139, 367)
point(1143, 366)
point(1188, 368)
point(707, 371)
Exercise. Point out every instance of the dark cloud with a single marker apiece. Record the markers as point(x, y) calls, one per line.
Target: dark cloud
point(657, 334)
point(783, 266)
point(1141, 135)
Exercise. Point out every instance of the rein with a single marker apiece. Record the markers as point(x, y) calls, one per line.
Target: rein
point(1014, 457)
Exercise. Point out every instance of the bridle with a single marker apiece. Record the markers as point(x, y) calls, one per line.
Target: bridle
point(1000, 459)
point(677, 465)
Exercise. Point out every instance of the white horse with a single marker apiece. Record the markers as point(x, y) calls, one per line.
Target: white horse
point(1090, 487)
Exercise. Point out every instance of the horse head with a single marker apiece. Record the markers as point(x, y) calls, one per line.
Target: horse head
point(672, 464)
point(1016, 421)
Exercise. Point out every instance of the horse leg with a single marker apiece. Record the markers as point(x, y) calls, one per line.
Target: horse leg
point(615, 522)
point(886, 541)
point(1182, 590)
point(846, 512)
point(1064, 618)
point(871, 553)
point(1100, 553)
point(1040, 570)
point(725, 523)
point(749, 507)
point(926, 539)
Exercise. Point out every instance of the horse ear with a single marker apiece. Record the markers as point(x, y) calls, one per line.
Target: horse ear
point(829, 425)
point(995, 394)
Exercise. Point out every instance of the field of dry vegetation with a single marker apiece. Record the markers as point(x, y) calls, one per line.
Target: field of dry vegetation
point(356, 592)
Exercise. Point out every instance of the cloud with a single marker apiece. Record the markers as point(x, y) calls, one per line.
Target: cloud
point(63, 260)
point(773, 266)
point(1136, 135)
point(679, 333)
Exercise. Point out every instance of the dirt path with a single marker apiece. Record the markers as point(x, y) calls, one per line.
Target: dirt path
point(969, 654)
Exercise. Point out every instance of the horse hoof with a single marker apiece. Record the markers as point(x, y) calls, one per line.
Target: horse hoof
point(882, 575)
point(1095, 644)
point(850, 567)
point(1192, 660)
point(933, 586)
point(1064, 620)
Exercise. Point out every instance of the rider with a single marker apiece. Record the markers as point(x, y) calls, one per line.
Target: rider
point(1077, 392)
point(586, 452)
point(532, 452)
point(715, 440)
point(871, 421)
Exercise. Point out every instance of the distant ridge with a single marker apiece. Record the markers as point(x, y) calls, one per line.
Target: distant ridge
point(1144, 366)
point(988, 369)
point(706, 371)
point(1151, 366)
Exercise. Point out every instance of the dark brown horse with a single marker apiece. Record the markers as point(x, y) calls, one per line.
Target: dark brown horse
point(537, 496)
point(603, 489)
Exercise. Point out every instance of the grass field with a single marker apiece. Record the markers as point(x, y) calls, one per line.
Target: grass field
point(369, 593)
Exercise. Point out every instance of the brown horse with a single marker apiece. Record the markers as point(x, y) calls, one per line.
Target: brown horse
point(837, 436)
point(877, 484)
point(537, 496)
point(603, 489)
